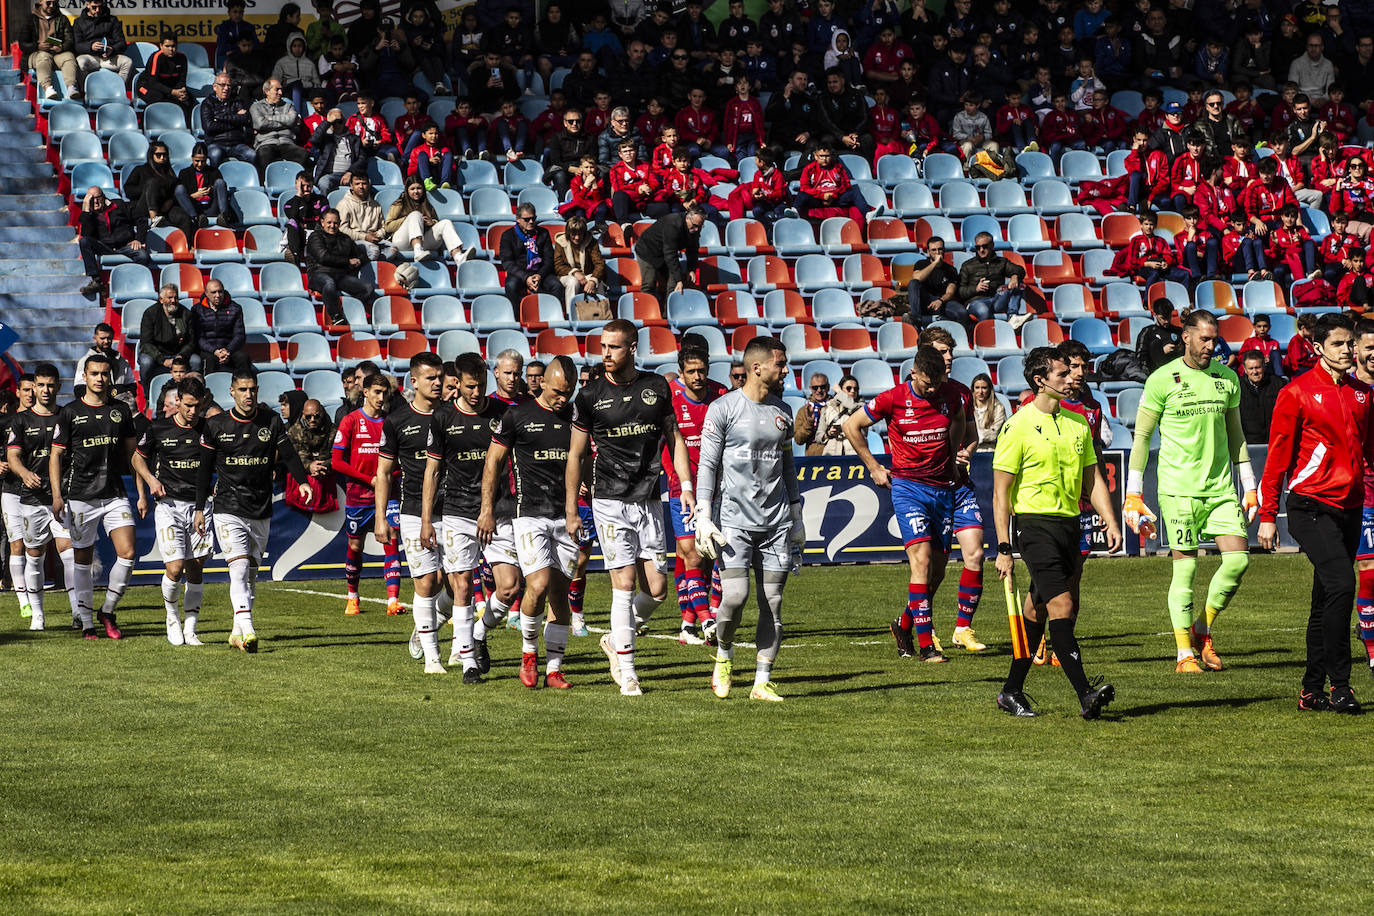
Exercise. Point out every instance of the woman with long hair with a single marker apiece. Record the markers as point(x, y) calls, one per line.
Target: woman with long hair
point(412, 222)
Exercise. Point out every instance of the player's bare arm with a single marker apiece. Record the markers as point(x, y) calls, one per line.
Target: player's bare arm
point(578, 449)
point(381, 528)
point(429, 491)
point(682, 466)
point(856, 431)
point(55, 477)
point(16, 466)
point(491, 476)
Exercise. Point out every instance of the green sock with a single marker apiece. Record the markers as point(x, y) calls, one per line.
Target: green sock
point(1223, 587)
point(1181, 602)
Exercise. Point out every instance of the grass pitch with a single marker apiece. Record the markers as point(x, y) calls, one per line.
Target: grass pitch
point(328, 775)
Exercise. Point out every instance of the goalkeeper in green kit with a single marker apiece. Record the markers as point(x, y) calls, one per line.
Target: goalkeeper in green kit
point(1195, 404)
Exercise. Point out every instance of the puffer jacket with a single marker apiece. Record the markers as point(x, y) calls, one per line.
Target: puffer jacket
point(88, 29)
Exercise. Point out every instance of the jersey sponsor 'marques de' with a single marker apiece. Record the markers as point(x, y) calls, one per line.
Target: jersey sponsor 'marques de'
point(94, 436)
point(918, 430)
point(538, 439)
point(174, 455)
point(627, 423)
point(405, 441)
point(1194, 450)
point(358, 437)
point(460, 440)
point(746, 462)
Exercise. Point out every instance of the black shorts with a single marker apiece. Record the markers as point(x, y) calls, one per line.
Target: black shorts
point(1049, 547)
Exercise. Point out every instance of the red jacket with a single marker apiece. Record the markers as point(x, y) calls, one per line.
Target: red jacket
point(587, 198)
point(1060, 127)
point(424, 150)
point(1354, 199)
point(408, 124)
point(1283, 242)
point(546, 124)
point(628, 178)
point(371, 129)
point(773, 185)
point(512, 125)
point(1150, 120)
point(1186, 171)
point(697, 125)
point(1108, 124)
point(1216, 203)
point(1249, 114)
point(475, 123)
point(1264, 202)
point(674, 181)
point(596, 120)
point(1324, 169)
point(650, 127)
point(1300, 356)
point(1267, 346)
point(1347, 285)
point(743, 120)
point(1280, 118)
point(1230, 244)
point(1237, 174)
point(661, 160)
point(886, 123)
point(1340, 119)
point(818, 181)
point(1130, 261)
point(1156, 169)
point(1319, 438)
point(1006, 119)
point(1181, 242)
point(1334, 247)
point(925, 133)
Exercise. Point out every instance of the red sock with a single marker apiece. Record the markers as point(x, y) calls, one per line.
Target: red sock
point(1364, 608)
point(353, 569)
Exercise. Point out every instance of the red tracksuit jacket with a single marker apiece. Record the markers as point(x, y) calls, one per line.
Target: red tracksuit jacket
point(674, 181)
point(743, 120)
point(1060, 127)
point(1186, 171)
point(370, 129)
point(773, 185)
point(1264, 202)
point(697, 125)
point(1215, 202)
point(818, 181)
point(628, 178)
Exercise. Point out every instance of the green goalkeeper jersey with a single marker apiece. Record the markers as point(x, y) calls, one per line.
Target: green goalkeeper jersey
point(1194, 449)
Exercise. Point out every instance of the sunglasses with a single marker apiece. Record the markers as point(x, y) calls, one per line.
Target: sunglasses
point(679, 57)
point(525, 219)
point(983, 246)
point(572, 120)
point(736, 376)
point(820, 387)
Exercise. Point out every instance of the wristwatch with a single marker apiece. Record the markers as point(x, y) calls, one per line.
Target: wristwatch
point(1003, 547)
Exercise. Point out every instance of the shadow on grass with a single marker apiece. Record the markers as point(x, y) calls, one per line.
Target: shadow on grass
point(1229, 658)
point(1136, 712)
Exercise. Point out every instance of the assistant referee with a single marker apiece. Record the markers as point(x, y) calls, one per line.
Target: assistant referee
point(1044, 461)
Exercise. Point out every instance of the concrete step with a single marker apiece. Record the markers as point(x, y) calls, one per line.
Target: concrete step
point(20, 219)
point(30, 186)
point(41, 263)
point(63, 355)
point(11, 92)
point(47, 235)
point(18, 122)
point(42, 283)
point(52, 201)
point(16, 109)
point(22, 152)
point(14, 170)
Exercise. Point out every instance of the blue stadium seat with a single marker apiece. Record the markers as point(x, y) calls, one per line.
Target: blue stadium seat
point(355, 314)
point(325, 386)
point(875, 196)
point(160, 117)
point(716, 347)
point(309, 353)
point(253, 206)
point(1076, 232)
point(1080, 165)
point(1027, 232)
point(874, 377)
point(827, 367)
point(490, 205)
point(440, 108)
point(131, 317)
point(832, 306)
point(960, 198)
point(958, 332)
point(131, 281)
point(384, 173)
point(802, 343)
point(238, 281)
point(911, 199)
point(938, 168)
point(1072, 302)
point(964, 370)
point(1282, 327)
point(262, 244)
point(687, 308)
point(478, 173)
point(1096, 262)
point(70, 118)
point(970, 226)
point(104, 86)
point(1123, 299)
point(1127, 405)
point(737, 238)
point(1034, 167)
point(179, 142)
point(294, 315)
point(435, 279)
point(478, 278)
point(492, 312)
point(506, 339)
point(794, 237)
point(1093, 333)
point(858, 166)
point(456, 342)
point(893, 169)
point(816, 272)
point(280, 280)
point(1053, 197)
point(1007, 198)
point(544, 201)
point(281, 177)
point(1316, 222)
point(218, 385)
point(272, 384)
point(1116, 162)
point(77, 148)
point(1129, 101)
point(448, 204)
point(128, 146)
point(386, 196)
point(896, 340)
point(238, 175)
point(1010, 377)
point(439, 314)
point(709, 243)
point(1036, 333)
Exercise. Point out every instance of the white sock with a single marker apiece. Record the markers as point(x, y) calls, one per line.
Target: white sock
point(118, 582)
point(240, 596)
point(253, 582)
point(443, 608)
point(427, 628)
point(623, 629)
point(33, 580)
point(68, 558)
point(169, 598)
point(555, 644)
point(191, 604)
point(497, 610)
point(579, 620)
point(529, 633)
point(85, 594)
point(462, 635)
point(644, 606)
point(21, 590)
point(763, 672)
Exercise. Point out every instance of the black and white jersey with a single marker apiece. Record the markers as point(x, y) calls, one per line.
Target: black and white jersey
point(538, 440)
point(461, 440)
point(95, 437)
point(243, 455)
point(405, 441)
point(30, 434)
point(628, 424)
point(174, 455)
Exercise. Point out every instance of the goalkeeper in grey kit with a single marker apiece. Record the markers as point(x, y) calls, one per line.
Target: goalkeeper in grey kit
point(746, 465)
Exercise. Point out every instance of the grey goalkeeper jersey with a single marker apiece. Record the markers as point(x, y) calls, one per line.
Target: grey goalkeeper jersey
point(746, 460)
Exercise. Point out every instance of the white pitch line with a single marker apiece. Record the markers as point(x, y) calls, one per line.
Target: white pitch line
point(307, 591)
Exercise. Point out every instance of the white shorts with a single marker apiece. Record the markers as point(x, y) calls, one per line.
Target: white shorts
point(84, 519)
point(177, 538)
point(34, 525)
point(462, 552)
point(770, 550)
point(543, 543)
point(242, 537)
point(630, 532)
point(421, 560)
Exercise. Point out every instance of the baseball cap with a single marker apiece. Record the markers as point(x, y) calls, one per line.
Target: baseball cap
point(1172, 108)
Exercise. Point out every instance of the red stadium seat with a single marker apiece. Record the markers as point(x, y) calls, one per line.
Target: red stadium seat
point(1235, 329)
point(554, 342)
point(774, 273)
point(627, 269)
point(740, 337)
point(851, 343)
point(1118, 228)
point(727, 309)
point(647, 311)
point(1054, 268)
point(354, 348)
point(395, 310)
point(614, 240)
point(402, 345)
point(386, 279)
point(189, 280)
point(173, 243)
point(794, 307)
point(717, 279)
point(208, 240)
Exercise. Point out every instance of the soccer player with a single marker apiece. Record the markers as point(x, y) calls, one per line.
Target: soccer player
point(10, 493)
point(693, 391)
point(93, 439)
point(535, 436)
point(241, 449)
point(746, 464)
point(968, 517)
point(925, 422)
point(30, 515)
point(355, 460)
point(1364, 556)
point(1321, 439)
point(405, 444)
point(1043, 464)
point(1195, 402)
point(626, 413)
point(168, 458)
point(457, 454)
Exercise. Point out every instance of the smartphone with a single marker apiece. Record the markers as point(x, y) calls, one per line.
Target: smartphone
point(496, 73)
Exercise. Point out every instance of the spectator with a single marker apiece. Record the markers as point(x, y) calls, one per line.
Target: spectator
point(510, 133)
point(47, 43)
point(275, 126)
point(217, 324)
point(431, 161)
point(764, 196)
point(279, 33)
point(297, 71)
point(98, 39)
point(988, 412)
point(372, 130)
point(229, 32)
point(323, 29)
point(333, 262)
point(659, 247)
point(1161, 341)
point(844, 111)
point(227, 123)
point(792, 115)
point(633, 84)
point(412, 223)
point(151, 189)
point(200, 190)
point(991, 285)
point(534, 377)
point(608, 141)
point(632, 185)
point(527, 257)
point(830, 424)
point(1313, 72)
point(806, 426)
point(338, 153)
point(1216, 126)
point(164, 77)
point(103, 344)
point(302, 214)
point(1159, 52)
point(1264, 345)
point(313, 438)
point(491, 82)
point(565, 151)
point(1302, 354)
point(949, 80)
point(971, 128)
point(934, 287)
point(289, 406)
point(827, 184)
point(1259, 390)
point(578, 262)
point(248, 67)
point(1250, 59)
point(109, 227)
point(360, 219)
point(426, 45)
point(385, 64)
point(164, 335)
point(556, 40)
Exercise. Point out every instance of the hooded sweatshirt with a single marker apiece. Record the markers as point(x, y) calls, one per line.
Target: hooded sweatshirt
point(295, 66)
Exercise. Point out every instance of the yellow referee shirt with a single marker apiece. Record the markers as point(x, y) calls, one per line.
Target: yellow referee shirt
point(1047, 454)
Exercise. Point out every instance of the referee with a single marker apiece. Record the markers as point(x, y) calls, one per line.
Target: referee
point(1043, 463)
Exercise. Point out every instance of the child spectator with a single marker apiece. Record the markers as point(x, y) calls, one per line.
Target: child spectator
point(1015, 128)
point(319, 108)
point(1215, 201)
point(764, 196)
point(682, 187)
point(1356, 288)
point(1241, 167)
point(886, 125)
point(698, 127)
point(971, 128)
point(1334, 249)
point(372, 130)
point(510, 132)
point(1212, 62)
point(1338, 116)
point(550, 121)
point(1085, 84)
point(744, 127)
point(1290, 249)
point(409, 126)
point(1264, 345)
point(1186, 174)
point(338, 71)
point(922, 132)
point(1105, 127)
point(1060, 130)
point(1241, 251)
point(1147, 258)
point(826, 183)
point(1197, 248)
point(760, 67)
point(164, 80)
point(1247, 111)
point(1266, 196)
point(655, 117)
point(1151, 116)
point(598, 117)
point(1302, 354)
point(466, 131)
point(431, 160)
point(590, 195)
point(323, 29)
point(228, 33)
point(661, 159)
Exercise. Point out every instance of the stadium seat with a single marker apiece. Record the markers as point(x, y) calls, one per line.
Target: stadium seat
point(185, 277)
point(491, 312)
point(131, 317)
point(815, 272)
point(938, 168)
point(1080, 165)
point(77, 148)
point(552, 342)
point(827, 367)
point(1129, 101)
point(356, 346)
point(1007, 198)
point(893, 169)
point(687, 308)
point(1262, 297)
point(265, 354)
point(738, 307)
point(253, 206)
point(1010, 378)
point(91, 174)
point(1096, 263)
point(785, 307)
point(832, 306)
point(280, 176)
point(1034, 167)
point(1027, 232)
point(273, 383)
point(1127, 405)
point(523, 173)
point(720, 273)
point(803, 342)
point(400, 347)
point(355, 320)
point(325, 386)
point(1119, 228)
point(1076, 231)
point(766, 272)
point(110, 119)
point(262, 244)
point(239, 175)
point(1122, 300)
point(440, 108)
point(1038, 332)
point(294, 315)
point(1116, 163)
point(740, 337)
point(448, 204)
point(279, 280)
point(384, 173)
point(887, 236)
point(70, 118)
point(238, 282)
point(928, 226)
point(478, 278)
point(1054, 268)
point(642, 309)
point(542, 310)
point(196, 55)
point(657, 346)
point(994, 339)
point(215, 246)
point(793, 238)
point(393, 314)
point(488, 206)
point(167, 244)
point(957, 331)
point(896, 341)
point(971, 226)
point(1234, 329)
point(1316, 223)
point(1072, 302)
point(874, 195)
point(1172, 290)
point(161, 117)
point(544, 201)
point(860, 272)
point(478, 173)
point(859, 169)
point(840, 235)
point(179, 142)
point(1093, 333)
point(456, 342)
point(128, 146)
point(873, 375)
point(1282, 327)
point(1217, 297)
point(104, 86)
point(308, 352)
point(1129, 329)
point(716, 346)
point(218, 384)
point(709, 242)
point(911, 199)
point(439, 314)
point(959, 199)
point(850, 341)
point(745, 238)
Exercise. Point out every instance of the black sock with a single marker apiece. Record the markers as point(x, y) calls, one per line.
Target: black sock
point(1020, 667)
point(1066, 647)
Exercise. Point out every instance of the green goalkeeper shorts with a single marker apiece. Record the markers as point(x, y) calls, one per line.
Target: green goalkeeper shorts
point(1192, 519)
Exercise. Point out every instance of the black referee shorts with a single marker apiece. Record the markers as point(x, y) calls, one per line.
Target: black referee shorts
point(1048, 545)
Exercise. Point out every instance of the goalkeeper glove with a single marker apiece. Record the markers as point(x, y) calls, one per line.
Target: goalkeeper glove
point(798, 535)
point(1136, 514)
point(1251, 498)
point(709, 540)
